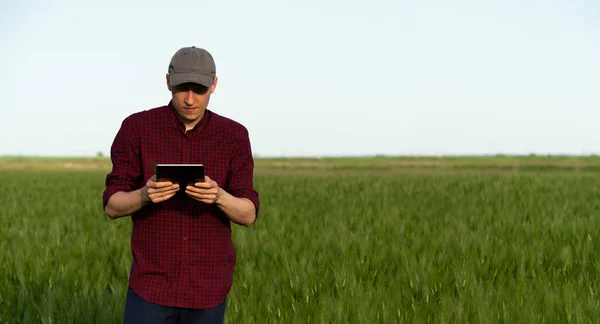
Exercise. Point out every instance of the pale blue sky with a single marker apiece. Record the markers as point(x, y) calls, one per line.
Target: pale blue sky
point(312, 77)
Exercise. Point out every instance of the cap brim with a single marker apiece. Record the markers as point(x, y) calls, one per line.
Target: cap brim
point(181, 78)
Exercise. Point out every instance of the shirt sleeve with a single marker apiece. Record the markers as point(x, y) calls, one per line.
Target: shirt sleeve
point(125, 156)
point(241, 172)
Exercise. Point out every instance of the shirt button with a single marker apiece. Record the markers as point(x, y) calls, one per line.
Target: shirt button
point(185, 238)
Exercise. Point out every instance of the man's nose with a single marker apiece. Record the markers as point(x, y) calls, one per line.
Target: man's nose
point(189, 97)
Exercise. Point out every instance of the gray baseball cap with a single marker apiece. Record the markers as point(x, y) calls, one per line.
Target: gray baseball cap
point(192, 64)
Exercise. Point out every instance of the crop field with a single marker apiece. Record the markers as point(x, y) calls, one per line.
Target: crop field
point(369, 240)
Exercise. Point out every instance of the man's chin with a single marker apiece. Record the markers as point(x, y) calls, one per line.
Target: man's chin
point(190, 111)
point(191, 116)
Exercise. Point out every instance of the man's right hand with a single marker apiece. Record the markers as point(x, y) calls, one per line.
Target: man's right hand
point(159, 191)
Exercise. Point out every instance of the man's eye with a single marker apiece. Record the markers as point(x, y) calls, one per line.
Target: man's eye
point(196, 88)
point(200, 89)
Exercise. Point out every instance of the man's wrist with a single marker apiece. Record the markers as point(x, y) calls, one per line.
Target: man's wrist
point(145, 197)
point(220, 196)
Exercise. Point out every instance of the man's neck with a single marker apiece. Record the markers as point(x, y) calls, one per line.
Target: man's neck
point(189, 126)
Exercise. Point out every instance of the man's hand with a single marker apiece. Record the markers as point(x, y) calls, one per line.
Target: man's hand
point(238, 210)
point(207, 192)
point(159, 191)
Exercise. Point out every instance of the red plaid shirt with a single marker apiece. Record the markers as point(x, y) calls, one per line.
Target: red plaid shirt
point(183, 254)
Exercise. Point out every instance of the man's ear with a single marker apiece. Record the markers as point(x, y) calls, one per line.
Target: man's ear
point(214, 85)
point(169, 82)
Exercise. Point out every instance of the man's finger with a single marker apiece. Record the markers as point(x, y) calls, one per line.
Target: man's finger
point(199, 193)
point(203, 195)
point(162, 184)
point(192, 190)
point(163, 189)
point(168, 191)
point(210, 182)
point(202, 184)
point(207, 197)
point(210, 191)
point(206, 185)
point(151, 184)
point(158, 197)
point(161, 199)
point(198, 188)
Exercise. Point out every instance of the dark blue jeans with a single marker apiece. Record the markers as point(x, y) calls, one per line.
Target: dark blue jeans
point(139, 311)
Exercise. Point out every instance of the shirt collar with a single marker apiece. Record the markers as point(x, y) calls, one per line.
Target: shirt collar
point(176, 122)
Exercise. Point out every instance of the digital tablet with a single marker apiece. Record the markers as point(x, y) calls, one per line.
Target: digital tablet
point(184, 174)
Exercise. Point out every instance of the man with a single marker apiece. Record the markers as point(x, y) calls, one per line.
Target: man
point(183, 255)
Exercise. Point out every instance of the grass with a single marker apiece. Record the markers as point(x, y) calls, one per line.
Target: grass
point(347, 246)
point(382, 163)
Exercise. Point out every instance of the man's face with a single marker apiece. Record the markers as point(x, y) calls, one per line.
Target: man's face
point(191, 100)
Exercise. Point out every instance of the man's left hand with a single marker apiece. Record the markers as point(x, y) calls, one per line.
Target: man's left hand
point(207, 192)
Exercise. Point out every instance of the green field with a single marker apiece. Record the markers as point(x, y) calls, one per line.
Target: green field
point(383, 240)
